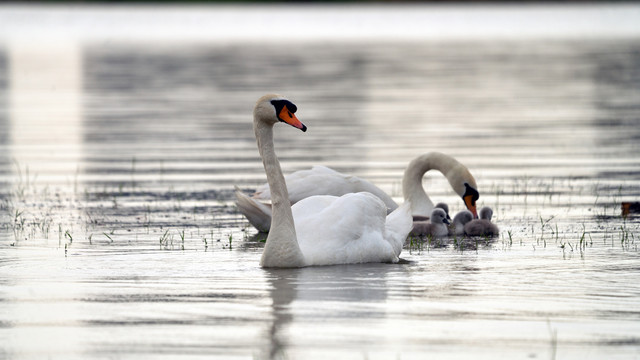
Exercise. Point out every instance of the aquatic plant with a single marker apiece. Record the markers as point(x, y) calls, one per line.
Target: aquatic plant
point(67, 235)
point(510, 235)
point(182, 239)
point(543, 224)
point(416, 243)
point(166, 241)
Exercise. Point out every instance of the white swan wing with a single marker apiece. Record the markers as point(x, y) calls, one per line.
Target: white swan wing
point(321, 180)
point(258, 213)
point(361, 185)
point(398, 225)
point(346, 230)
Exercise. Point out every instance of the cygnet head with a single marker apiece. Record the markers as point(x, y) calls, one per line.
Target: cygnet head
point(438, 216)
point(462, 217)
point(459, 221)
point(486, 213)
point(444, 207)
point(272, 108)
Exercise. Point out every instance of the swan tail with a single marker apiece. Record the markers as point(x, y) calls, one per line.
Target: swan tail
point(258, 213)
point(398, 225)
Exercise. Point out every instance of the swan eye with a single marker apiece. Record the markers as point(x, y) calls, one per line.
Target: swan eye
point(470, 191)
point(282, 103)
point(285, 110)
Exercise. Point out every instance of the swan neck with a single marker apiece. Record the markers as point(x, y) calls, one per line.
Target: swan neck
point(412, 188)
point(281, 248)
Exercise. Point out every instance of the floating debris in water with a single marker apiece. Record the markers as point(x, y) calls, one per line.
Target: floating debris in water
point(630, 208)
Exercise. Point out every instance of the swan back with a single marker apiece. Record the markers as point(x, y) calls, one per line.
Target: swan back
point(321, 180)
point(350, 229)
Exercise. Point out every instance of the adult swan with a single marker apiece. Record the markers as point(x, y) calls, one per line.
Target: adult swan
point(459, 177)
point(324, 229)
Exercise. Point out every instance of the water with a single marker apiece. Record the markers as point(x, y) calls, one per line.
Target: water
point(120, 238)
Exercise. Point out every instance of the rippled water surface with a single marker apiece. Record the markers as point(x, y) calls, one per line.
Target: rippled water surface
point(119, 236)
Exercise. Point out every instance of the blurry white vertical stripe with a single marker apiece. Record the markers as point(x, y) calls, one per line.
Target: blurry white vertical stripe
point(321, 22)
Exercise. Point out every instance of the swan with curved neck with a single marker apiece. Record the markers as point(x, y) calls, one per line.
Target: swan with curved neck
point(321, 230)
point(459, 177)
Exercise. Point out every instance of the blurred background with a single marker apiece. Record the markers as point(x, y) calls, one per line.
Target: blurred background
point(85, 80)
point(124, 128)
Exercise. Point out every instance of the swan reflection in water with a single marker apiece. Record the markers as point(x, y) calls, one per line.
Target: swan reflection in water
point(358, 307)
point(340, 293)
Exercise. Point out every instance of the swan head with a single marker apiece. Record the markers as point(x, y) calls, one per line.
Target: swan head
point(273, 108)
point(438, 216)
point(470, 196)
point(458, 175)
point(486, 213)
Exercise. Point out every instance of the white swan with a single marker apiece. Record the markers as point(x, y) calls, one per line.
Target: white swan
point(459, 177)
point(435, 227)
point(321, 180)
point(322, 230)
point(482, 226)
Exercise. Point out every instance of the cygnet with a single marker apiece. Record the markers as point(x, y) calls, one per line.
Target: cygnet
point(436, 228)
point(459, 221)
point(482, 226)
point(440, 205)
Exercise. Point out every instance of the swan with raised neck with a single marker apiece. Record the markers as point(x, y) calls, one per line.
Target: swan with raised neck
point(353, 228)
point(283, 249)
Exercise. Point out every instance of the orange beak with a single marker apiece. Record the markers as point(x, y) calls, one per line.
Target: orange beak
point(291, 119)
point(471, 205)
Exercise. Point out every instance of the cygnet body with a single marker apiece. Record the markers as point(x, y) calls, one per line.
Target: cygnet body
point(437, 227)
point(482, 226)
point(459, 221)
